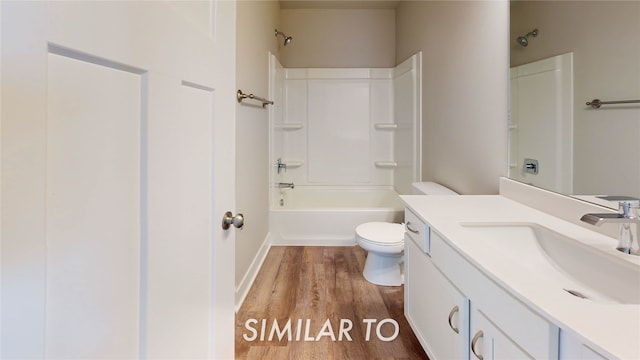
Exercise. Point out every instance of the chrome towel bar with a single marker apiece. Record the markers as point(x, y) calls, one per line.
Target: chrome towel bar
point(241, 96)
point(595, 103)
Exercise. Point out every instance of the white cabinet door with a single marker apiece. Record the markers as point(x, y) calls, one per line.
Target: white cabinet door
point(488, 342)
point(436, 310)
point(118, 123)
point(573, 348)
point(535, 337)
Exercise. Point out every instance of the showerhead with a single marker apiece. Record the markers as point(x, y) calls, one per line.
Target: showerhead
point(287, 39)
point(524, 40)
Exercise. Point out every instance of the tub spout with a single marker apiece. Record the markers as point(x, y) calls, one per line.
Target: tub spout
point(282, 185)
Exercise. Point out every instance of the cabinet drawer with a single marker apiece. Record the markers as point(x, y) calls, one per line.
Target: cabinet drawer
point(417, 230)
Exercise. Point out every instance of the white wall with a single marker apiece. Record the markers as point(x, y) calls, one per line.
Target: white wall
point(348, 127)
point(541, 123)
point(257, 21)
point(407, 114)
point(337, 142)
point(278, 132)
point(465, 88)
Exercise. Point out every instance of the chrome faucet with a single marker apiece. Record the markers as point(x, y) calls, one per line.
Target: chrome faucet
point(280, 166)
point(626, 216)
point(283, 185)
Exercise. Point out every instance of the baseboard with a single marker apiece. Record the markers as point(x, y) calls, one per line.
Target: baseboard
point(245, 285)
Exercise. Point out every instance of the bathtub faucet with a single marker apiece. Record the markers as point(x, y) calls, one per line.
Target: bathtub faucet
point(282, 185)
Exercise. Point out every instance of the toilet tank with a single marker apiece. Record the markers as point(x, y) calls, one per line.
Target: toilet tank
point(431, 188)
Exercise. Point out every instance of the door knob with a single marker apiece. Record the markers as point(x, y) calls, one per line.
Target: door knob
point(228, 219)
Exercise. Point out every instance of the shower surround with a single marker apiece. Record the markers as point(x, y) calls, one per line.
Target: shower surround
point(349, 140)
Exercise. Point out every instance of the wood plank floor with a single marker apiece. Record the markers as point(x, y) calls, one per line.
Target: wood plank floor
point(316, 284)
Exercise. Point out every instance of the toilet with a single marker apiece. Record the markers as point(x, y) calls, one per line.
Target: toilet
point(384, 243)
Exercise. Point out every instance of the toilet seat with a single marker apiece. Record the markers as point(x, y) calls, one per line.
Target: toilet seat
point(381, 233)
point(381, 237)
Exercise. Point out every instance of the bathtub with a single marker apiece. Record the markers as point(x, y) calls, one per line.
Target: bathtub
point(329, 216)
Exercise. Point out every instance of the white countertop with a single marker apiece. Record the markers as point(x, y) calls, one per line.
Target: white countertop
point(611, 329)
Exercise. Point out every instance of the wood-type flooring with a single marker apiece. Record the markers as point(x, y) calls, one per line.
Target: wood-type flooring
point(319, 291)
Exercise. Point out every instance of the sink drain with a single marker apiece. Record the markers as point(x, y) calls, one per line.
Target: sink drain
point(576, 293)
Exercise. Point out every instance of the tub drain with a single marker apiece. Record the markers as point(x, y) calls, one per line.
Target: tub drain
point(576, 293)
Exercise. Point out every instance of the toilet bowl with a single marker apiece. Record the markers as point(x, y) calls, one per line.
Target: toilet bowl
point(384, 243)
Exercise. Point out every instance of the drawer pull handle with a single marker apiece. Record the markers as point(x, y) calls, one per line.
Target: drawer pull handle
point(451, 313)
point(474, 341)
point(408, 225)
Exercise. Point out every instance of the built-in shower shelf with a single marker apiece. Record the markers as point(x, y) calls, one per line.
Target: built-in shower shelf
point(386, 126)
point(513, 165)
point(386, 164)
point(289, 126)
point(513, 126)
point(292, 164)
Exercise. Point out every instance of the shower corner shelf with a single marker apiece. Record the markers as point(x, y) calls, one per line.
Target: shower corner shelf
point(386, 164)
point(386, 126)
point(513, 126)
point(289, 126)
point(293, 164)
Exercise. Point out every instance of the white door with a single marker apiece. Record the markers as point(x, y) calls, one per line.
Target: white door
point(117, 165)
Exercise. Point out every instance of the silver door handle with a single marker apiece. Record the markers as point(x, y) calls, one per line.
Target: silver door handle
point(479, 335)
point(453, 311)
point(408, 226)
point(228, 219)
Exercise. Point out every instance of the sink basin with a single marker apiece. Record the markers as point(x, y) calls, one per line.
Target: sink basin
point(581, 270)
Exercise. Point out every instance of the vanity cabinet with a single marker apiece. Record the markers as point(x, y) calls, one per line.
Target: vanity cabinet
point(444, 293)
point(436, 310)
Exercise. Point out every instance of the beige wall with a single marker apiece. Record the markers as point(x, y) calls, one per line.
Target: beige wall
point(256, 23)
point(603, 36)
point(465, 88)
point(333, 38)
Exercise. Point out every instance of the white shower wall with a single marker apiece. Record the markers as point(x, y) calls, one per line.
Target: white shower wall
point(353, 127)
point(407, 114)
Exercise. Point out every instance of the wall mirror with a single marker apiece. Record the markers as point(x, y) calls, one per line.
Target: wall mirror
point(576, 51)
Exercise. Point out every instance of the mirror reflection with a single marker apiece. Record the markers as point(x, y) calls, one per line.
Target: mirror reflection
point(576, 51)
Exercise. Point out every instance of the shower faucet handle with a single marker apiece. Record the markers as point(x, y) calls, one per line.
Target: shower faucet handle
point(280, 166)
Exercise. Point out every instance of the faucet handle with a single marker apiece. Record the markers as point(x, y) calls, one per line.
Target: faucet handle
point(629, 209)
